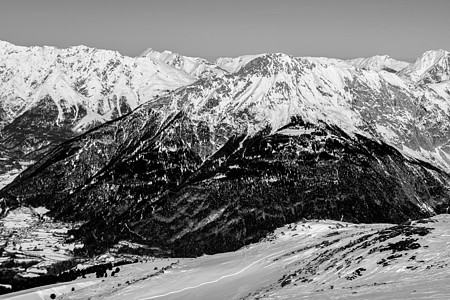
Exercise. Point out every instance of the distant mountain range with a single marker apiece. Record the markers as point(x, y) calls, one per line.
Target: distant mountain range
point(198, 157)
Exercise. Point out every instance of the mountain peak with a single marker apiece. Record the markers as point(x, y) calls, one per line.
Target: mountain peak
point(6, 47)
point(147, 52)
point(5, 43)
point(439, 53)
point(208, 164)
point(268, 64)
point(431, 67)
point(378, 63)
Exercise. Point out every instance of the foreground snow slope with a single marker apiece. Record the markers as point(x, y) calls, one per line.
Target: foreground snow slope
point(305, 260)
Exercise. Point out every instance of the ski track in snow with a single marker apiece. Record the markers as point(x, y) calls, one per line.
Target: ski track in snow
point(214, 281)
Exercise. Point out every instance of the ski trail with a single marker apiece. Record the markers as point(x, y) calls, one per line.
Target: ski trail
point(213, 281)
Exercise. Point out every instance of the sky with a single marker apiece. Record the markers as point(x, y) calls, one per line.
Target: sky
point(403, 29)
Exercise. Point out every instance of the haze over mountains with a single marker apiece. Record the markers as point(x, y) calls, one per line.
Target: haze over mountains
point(196, 157)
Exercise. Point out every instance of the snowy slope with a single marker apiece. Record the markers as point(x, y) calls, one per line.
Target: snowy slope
point(49, 95)
point(195, 66)
point(87, 87)
point(433, 66)
point(379, 63)
point(233, 64)
point(443, 90)
point(102, 82)
point(247, 94)
point(288, 136)
point(326, 61)
point(216, 164)
point(306, 260)
point(269, 89)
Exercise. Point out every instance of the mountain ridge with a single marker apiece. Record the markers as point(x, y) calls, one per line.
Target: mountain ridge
point(251, 143)
point(379, 63)
point(96, 113)
point(431, 67)
point(229, 157)
point(69, 91)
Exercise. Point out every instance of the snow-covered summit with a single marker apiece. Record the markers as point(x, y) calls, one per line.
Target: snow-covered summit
point(432, 67)
point(194, 66)
point(101, 81)
point(48, 95)
point(275, 137)
point(233, 64)
point(87, 86)
point(378, 63)
point(269, 89)
point(326, 61)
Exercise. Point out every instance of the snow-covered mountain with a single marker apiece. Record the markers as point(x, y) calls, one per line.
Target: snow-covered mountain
point(80, 87)
point(277, 139)
point(375, 63)
point(48, 95)
point(379, 63)
point(432, 67)
point(104, 83)
point(269, 89)
point(233, 64)
point(194, 66)
point(221, 154)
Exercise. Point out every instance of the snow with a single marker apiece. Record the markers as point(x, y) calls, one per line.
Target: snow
point(234, 64)
point(27, 235)
point(18, 219)
point(417, 70)
point(387, 133)
point(42, 293)
point(30, 74)
point(378, 63)
point(295, 132)
point(89, 120)
point(325, 61)
point(194, 66)
point(7, 177)
point(315, 88)
point(257, 271)
point(442, 89)
point(276, 87)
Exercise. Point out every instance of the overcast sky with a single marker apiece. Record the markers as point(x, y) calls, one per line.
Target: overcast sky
point(403, 29)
